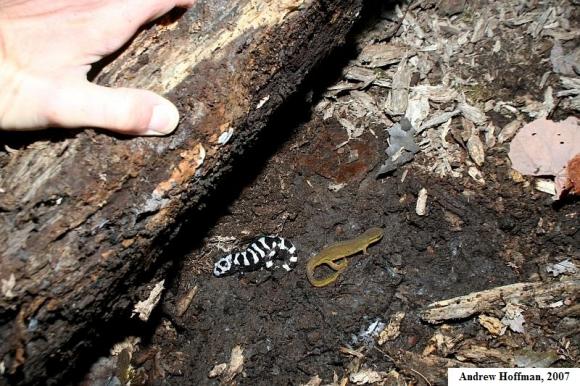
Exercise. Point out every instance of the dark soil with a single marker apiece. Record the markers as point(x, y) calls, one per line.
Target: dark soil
point(473, 238)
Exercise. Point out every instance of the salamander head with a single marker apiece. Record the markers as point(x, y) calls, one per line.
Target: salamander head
point(223, 266)
point(374, 234)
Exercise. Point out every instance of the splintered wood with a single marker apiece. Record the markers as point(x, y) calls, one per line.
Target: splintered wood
point(540, 293)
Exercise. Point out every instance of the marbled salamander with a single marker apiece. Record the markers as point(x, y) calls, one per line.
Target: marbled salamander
point(262, 253)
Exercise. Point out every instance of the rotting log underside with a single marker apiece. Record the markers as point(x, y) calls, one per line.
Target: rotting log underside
point(84, 218)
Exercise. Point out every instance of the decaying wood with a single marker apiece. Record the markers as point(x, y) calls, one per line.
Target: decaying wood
point(540, 293)
point(429, 368)
point(85, 217)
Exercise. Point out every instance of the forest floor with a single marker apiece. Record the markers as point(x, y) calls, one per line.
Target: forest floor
point(465, 78)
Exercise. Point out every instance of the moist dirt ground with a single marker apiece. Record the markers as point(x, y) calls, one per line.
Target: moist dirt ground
point(308, 182)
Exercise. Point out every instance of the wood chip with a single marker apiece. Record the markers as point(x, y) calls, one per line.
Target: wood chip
point(145, 307)
point(217, 370)
point(475, 148)
point(490, 139)
point(351, 129)
point(513, 318)
point(183, 303)
point(399, 98)
point(381, 55)
point(493, 325)
point(476, 175)
point(438, 120)
point(314, 381)
point(509, 130)
point(392, 330)
point(437, 94)
point(8, 286)
point(350, 351)
point(545, 186)
point(472, 113)
point(417, 110)
point(443, 341)
point(421, 208)
point(236, 364)
point(366, 376)
point(484, 355)
point(360, 74)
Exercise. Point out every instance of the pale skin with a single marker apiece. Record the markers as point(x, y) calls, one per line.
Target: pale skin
point(47, 48)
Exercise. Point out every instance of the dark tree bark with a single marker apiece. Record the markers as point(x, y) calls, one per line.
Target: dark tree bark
point(84, 217)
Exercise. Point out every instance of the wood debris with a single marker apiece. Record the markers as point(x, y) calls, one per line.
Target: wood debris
point(399, 97)
point(492, 324)
point(8, 286)
point(392, 330)
point(509, 131)
point(228, 371)
point(183, 303)
point(314, 381)
point(478, 302)
point(366, 376)
point(421, 207)
point(443, 341)
point(217, 370)
point(381, 55)
point(429, 368)
point(384, 71)
point(145, 307)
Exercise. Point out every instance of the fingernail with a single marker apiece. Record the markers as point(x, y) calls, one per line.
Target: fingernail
point(163, 121)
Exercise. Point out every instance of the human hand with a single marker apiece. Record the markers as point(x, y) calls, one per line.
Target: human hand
point(46, 51)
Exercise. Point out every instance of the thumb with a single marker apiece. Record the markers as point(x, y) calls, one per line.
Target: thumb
point(72, 103)
point(124, 110)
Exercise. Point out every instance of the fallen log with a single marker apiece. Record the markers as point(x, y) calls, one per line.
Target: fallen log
point(84, 217)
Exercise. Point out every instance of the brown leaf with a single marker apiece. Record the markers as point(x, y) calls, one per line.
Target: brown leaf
point(574, 174)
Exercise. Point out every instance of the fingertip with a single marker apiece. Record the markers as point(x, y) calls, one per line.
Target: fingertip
point(185, 3)
point(122, 110)
point(164, 119)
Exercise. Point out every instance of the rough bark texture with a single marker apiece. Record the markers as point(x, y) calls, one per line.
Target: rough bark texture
point(84, 217)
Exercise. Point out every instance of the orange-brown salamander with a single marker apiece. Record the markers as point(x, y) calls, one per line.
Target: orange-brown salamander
point(333, 254)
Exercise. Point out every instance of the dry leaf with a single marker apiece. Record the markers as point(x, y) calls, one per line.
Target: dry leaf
point(544, 148)
point(562, 267)
point(513, 318)
point(574, 174)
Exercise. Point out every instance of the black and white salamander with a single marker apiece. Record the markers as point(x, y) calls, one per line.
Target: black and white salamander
point(265, 252)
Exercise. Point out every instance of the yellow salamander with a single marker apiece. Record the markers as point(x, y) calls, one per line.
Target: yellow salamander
point(332, 256)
